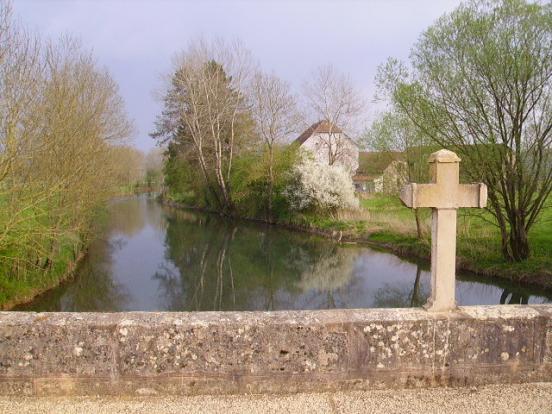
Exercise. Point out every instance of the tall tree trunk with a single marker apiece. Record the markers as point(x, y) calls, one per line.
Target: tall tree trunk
point(513, 231)
point(514, 241)
point(519, 243)
point(227, 205)
point(203, 166)
point(415, 300)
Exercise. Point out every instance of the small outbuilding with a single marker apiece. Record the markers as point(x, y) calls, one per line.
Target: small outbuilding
point(380, 172)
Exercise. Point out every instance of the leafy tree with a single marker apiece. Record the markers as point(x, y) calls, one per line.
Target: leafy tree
point(480, 84)
point(205, 114)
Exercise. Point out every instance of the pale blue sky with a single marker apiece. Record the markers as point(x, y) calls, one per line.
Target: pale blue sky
point(136, 39)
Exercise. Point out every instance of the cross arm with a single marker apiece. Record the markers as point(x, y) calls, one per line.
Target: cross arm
point(472, 195)
point(439, 196)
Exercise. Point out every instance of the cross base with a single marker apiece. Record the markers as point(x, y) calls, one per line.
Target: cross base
point(432, 307)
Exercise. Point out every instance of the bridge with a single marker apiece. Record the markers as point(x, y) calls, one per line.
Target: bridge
point(289, 351)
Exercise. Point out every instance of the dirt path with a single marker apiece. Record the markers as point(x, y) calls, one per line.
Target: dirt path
point(524, 398)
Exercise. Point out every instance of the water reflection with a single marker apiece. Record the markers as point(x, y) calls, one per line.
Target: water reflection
point(157, 258)
point(402, 295)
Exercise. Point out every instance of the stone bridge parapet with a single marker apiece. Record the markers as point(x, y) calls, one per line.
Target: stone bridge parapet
point(288, 351)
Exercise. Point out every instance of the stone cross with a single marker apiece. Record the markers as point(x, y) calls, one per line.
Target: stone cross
point(444, 195)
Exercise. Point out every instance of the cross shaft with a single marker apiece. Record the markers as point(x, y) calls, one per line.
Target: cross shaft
point(444, 195)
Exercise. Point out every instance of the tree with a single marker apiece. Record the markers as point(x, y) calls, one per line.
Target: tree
point(60, 118)
point(128, 165)
point(274, 111)
point(393, 131)
point(480, 84)
point(206, 114)
point(331, 97)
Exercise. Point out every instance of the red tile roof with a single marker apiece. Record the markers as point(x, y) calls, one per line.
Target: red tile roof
point(321, 127)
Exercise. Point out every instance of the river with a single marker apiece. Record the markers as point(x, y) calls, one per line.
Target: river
point(151, 257)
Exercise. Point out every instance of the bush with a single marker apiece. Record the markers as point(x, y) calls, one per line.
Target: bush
point(319, 187)
point(251, 183)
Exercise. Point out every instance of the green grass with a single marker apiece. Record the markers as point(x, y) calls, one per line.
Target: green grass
point(478, 243)
point(33, 256)
point(34, 281)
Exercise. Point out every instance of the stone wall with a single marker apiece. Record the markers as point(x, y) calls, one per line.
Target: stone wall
point(235, 352)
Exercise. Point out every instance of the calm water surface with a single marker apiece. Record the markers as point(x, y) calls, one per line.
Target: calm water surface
point(152, 257)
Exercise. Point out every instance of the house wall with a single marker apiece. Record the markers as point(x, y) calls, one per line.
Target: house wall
point(394, 177)
point(347, 155)
point(378, 184)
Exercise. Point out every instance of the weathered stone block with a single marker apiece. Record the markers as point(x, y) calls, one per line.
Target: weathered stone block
point(232, 352)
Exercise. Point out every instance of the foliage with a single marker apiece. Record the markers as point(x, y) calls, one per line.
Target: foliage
point(205, 116)
point(259, 182)
point(480, 84)
point(183, 182)
point(62, 130)
point(276, 117)
point(319, 187)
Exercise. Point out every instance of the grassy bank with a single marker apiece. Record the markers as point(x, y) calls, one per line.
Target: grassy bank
point(36, 261)
point(22, 289)
point(386, 222)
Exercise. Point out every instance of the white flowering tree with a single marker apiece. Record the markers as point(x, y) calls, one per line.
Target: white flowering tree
point(320, 187)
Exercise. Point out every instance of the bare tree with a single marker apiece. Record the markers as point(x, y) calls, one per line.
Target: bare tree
point(60, 117)
point(20, 75)
point(205, 106)
point(153, 165)
point(274, 110)
point(331, 97)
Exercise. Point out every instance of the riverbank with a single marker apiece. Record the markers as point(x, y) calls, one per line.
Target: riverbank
point(15, 292)
point(19, 286)
point(384, 223)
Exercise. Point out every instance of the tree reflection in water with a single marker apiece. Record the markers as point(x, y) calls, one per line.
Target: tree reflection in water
point(228, 265)
point(509, 297)
point(94, 290)
point(152, 257)
point(407, 294)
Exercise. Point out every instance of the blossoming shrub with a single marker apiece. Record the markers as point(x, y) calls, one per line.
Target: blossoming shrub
point(319, 187)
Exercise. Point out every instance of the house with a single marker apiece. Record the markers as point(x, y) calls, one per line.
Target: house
point(380, 172)
point(330, 145)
